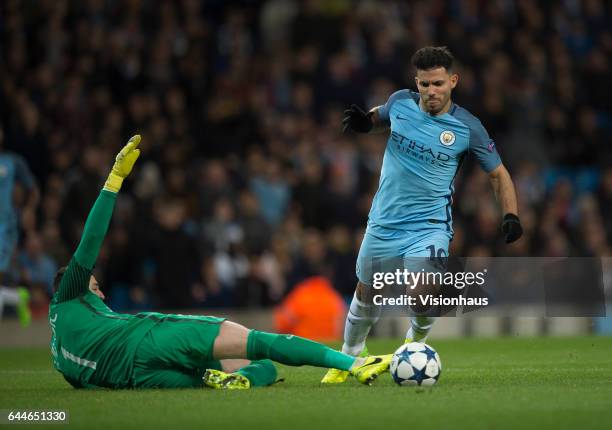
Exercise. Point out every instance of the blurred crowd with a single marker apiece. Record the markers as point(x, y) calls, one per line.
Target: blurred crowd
point(246, 184)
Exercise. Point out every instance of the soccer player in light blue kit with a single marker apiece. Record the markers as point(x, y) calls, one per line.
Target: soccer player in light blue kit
point(411, 213)
point(13, 169)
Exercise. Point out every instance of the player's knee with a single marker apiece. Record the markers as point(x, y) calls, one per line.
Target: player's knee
point(231, 342)
point(364, 293)
point(359, 291)
point(230, 328)
point(420, 291)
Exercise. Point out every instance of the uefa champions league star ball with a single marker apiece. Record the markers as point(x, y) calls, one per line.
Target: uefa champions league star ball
point(415, 363)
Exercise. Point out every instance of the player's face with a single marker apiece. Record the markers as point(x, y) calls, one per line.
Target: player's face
point(435, 87)
point(95, 288)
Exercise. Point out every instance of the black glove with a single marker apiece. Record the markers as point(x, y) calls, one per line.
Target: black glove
point(357, 120)
point(511, 227)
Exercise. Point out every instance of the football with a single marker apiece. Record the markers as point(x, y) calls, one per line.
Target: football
point(415, 363)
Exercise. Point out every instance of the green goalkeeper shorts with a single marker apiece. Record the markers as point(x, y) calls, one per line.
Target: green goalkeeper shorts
point(176, 352)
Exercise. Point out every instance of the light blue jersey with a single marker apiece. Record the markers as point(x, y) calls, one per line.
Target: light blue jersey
point(422, 157)
point(12, 168)
point(410, 223)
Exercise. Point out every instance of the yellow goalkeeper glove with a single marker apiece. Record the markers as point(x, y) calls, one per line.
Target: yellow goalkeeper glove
point(123, 164)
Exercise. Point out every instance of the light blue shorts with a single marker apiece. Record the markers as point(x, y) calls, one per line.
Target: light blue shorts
point(385, 250)
point(8, 242)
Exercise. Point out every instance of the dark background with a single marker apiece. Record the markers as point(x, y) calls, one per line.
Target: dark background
point(245, 184)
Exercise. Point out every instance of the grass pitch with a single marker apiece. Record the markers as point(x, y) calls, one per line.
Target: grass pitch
point(509, 383)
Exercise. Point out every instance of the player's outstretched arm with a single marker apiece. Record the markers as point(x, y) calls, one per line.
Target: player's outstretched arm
point(99, 218)
point(506, 196)
point(76, 278)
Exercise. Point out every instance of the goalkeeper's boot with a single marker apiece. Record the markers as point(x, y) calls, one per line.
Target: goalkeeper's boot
point(371, 368)
point(225, 381)
point(23, 307)
point(337, 376)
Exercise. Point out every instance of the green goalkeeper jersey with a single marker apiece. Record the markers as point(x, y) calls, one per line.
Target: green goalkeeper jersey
point(91, 345)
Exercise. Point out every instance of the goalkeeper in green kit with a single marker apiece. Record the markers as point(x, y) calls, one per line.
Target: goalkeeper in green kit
point(92, 346)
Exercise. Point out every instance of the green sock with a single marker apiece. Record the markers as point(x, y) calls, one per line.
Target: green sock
point(295, 351)
point(260, 373)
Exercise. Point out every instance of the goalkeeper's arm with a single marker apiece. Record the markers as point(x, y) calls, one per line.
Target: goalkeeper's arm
point(75, 280)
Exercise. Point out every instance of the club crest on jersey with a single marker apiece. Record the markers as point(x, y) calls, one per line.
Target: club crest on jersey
point(447, 138)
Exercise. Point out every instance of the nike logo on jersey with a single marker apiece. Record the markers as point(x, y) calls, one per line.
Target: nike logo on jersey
point(402, 118)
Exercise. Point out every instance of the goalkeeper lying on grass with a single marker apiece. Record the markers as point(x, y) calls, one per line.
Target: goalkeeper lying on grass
point(92, 346)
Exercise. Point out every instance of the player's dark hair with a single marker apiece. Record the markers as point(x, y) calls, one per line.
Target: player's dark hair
point(432, 57)
point(58, 278)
